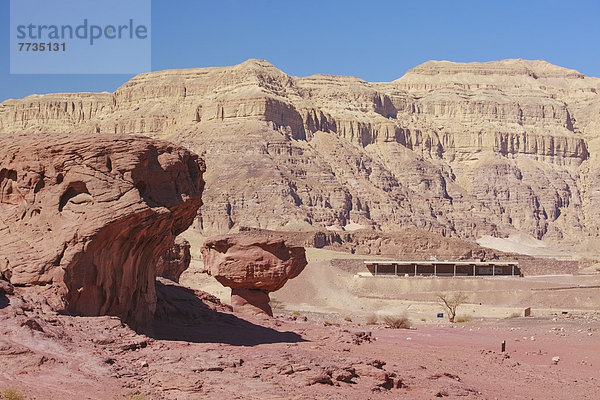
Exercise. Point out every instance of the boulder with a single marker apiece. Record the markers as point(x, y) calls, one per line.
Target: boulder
point(85, 218)
point(252, 265)
point(5, 288)
point(175, 260)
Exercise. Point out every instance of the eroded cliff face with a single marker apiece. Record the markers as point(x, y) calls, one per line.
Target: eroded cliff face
point(457, 149)
point(85, 218)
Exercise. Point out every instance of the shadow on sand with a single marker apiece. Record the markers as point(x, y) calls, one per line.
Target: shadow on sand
point(183, 315)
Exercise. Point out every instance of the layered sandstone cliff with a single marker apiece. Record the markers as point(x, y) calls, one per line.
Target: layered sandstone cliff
point(457, 149)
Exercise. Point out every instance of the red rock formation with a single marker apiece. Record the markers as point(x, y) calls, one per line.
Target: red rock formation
point(175, 260)
point(252, 265)
point(85, 218)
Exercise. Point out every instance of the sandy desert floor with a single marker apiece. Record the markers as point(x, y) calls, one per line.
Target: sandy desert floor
point(203, 353)
point(319, 345)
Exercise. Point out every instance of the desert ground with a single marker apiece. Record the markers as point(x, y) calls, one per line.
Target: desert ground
point(199, 352)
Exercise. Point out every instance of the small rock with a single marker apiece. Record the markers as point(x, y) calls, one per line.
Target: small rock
point(376, 363)
point(144, 364)
point(344, 375)
point(286, 370)
point(322, 378)
point(360, 337)
point(6, 287)
point(555, 359)
point(33, 325)
point(301, 368)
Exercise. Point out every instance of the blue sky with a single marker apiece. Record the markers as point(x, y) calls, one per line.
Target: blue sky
point(374, 40)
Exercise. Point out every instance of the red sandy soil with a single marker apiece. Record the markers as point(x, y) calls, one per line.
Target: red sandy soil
point(198, 349)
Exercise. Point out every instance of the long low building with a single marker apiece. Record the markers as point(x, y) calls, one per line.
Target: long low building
point(443, 268)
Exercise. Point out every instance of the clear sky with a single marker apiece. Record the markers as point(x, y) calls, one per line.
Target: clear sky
point(374, 40)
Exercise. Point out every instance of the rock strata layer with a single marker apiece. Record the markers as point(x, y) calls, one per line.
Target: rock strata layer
point(86, 217)
point(461, 150)
point(252, 265)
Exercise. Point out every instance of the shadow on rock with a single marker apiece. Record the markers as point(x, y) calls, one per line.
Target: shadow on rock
point(5, 288)
point(194, 316)
point(4, 302)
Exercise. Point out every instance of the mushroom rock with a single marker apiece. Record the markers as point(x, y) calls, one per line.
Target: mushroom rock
point(175, 260)
point(252, 265)
point(85, 218)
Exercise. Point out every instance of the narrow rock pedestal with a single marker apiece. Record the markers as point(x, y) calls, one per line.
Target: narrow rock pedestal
point(251, 301)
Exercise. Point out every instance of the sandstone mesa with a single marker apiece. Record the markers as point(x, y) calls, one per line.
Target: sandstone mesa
point(461, 150)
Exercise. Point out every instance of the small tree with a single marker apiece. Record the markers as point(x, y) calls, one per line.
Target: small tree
point(451, 303)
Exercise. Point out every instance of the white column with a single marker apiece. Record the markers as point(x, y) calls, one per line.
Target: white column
point(454, 269)
point(474, 272)
point(415, 269)
point(375, 269)
point(395, 269)
point(434, 269)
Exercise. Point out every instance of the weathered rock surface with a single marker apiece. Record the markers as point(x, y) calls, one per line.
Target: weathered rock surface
point(457, 149)
point(251, 301)
point(175, 260)
point(5, 288)
point(252, 265)
point(86, 217)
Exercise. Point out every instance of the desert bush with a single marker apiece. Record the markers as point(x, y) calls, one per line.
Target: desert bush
point(423, 319)
point(329, 323)
point(463, 318)
point(12, 394)
point(371, 319)
point(347, 319)
point(395, 322)
point(296, 313)
point(137, 396)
